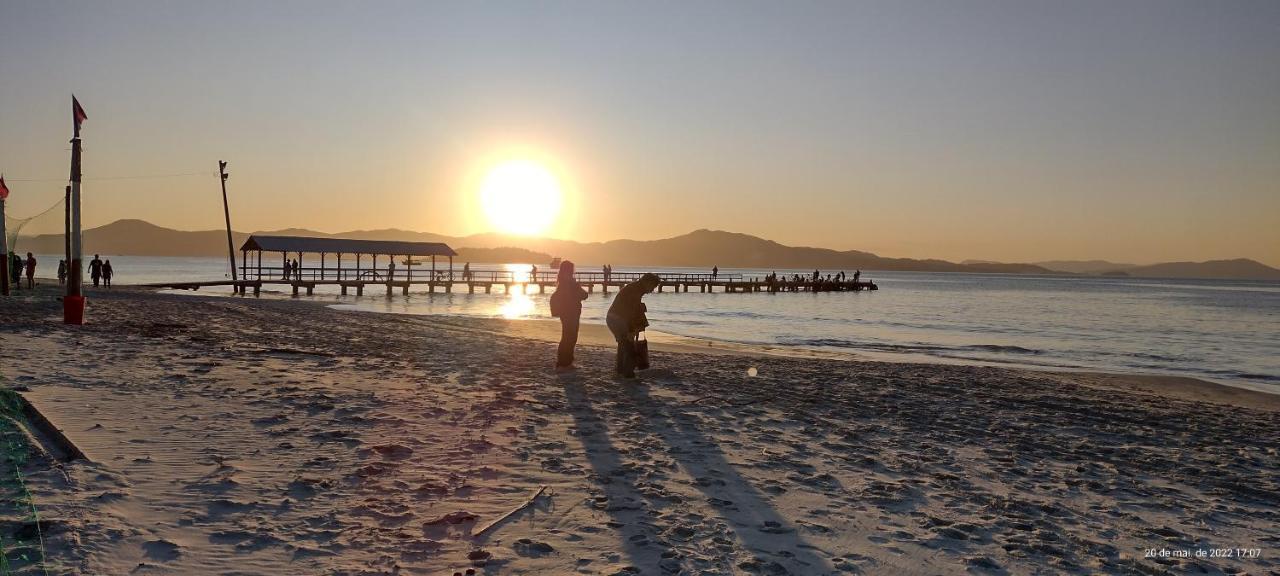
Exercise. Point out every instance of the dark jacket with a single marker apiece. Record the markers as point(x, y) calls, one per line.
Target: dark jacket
point(566, 301)
point(627, 304)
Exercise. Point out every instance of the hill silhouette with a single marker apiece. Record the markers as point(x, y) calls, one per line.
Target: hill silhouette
point(1239, 268)
point(700, 248)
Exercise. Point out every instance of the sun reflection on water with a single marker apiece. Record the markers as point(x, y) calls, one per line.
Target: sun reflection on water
point(516, 306)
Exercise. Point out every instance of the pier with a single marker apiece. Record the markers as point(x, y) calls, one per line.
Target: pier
point(403, 271)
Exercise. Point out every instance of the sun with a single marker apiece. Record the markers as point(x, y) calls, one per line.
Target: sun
point(520, 197)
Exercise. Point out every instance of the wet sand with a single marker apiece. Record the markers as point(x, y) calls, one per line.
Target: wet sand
point(230, 436)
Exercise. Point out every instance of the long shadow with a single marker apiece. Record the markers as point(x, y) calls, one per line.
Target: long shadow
point(756, 524)
point(622, 501)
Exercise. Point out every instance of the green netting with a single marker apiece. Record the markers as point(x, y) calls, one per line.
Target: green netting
point(22, 550)
point(41, 232)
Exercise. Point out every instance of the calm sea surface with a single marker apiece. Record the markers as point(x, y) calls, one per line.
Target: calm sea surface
point(1222, 330)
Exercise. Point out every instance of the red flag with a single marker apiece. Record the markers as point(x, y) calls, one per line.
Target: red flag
point(4, 190)
point(77, 113)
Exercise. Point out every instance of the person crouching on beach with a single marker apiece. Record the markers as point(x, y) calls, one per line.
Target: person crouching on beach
point(626, 319)
point(566, 304)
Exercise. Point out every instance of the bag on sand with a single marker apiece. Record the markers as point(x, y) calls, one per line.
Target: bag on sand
point(642, 352)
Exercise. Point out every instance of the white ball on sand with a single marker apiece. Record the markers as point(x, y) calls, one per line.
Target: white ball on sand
point(751, 372)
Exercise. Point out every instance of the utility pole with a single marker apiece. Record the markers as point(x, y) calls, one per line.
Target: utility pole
point(226, 211)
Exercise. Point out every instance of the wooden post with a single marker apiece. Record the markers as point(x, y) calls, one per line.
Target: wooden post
point(226, 212)
point(4, 253)
point(255, 290)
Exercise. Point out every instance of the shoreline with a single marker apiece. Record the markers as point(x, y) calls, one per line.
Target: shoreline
point(592, 334)
point(597, 335)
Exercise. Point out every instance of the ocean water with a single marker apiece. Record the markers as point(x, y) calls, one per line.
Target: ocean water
point(1222, 330)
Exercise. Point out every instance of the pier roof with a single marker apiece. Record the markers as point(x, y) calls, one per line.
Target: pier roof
point(345, 246)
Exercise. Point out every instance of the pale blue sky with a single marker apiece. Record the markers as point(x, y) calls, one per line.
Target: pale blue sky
point(1130, 130)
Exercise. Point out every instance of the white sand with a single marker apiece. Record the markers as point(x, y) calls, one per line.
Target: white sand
point(265, 437)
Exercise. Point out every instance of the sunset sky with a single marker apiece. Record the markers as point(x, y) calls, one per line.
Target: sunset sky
point(1134, 131)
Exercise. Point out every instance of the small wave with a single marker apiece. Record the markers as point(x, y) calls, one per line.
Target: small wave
point(999, 348)
point(1243, 375)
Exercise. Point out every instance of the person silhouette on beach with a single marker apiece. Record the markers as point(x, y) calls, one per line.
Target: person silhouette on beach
point(62, 272)
point(31, 271)
point(566, 304)
point(626, 319)
point(107, 272)
point(95, 270)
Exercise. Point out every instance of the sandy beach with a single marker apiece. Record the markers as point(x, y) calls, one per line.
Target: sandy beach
point(242, 436)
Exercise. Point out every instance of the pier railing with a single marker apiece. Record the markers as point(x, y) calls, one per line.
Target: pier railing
point(420, 275)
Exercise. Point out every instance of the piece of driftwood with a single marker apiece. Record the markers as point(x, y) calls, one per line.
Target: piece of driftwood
point(487, 527)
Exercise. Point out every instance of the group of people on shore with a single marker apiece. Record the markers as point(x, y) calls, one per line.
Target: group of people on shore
point(100, 271)
point(626, 318)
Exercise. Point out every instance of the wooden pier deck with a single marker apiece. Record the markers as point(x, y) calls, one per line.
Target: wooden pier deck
point(307, 279)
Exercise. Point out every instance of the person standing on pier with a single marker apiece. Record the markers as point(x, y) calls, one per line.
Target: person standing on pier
point(466, 272)
point(533, 272)
point(626, 319)
point(566, 304)
point(391, 269)
point(715, 271)
point(856, 275)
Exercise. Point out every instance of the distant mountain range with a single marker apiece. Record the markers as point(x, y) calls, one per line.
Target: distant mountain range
point(701, 248)
point(1243, 268)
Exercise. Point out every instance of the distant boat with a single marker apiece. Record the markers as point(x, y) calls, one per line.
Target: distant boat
point(412, 262)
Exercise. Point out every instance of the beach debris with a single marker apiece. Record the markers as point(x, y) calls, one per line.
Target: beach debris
point(455, 517)
point(528, 502)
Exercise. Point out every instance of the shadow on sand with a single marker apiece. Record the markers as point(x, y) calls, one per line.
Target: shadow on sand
point(766, 541)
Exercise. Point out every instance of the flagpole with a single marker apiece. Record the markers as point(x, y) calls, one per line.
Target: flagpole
point(73, 303)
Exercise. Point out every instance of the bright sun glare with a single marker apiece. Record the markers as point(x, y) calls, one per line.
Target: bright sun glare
point(520, 197)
